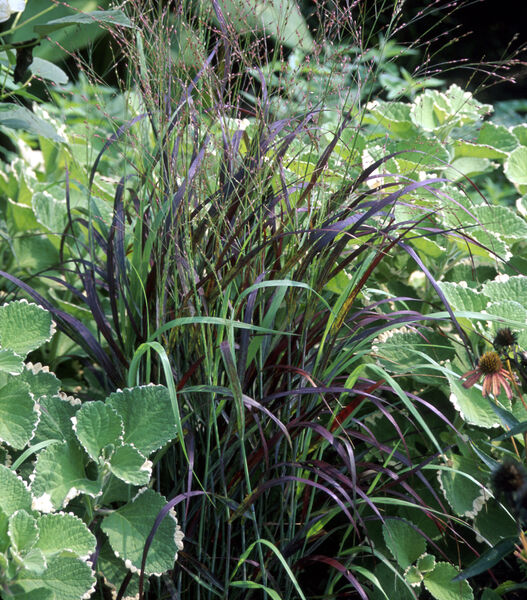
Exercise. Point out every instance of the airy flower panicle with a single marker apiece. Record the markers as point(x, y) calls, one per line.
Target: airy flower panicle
point(495, 376)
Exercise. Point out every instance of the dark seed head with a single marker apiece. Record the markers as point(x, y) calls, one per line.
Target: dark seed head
point(505, 337)
point(509, 477)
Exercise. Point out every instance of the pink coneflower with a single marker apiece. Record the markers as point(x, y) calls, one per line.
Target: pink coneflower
point(494, 374)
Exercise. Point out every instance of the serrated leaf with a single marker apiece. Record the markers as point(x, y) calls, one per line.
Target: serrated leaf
point(61, 532)
point(41, 382)
point(473, 408)
point(403, 541)
point(395, 116)
point(464, 148)
point(100, 17)
point(147, 416)
point(20, 117)
point(439, 583)
point(66, 577)
point(130, 465)
point(4, 538)
point(128, 528)
point(55, 419)
point(501, 220)
point(426, 563)
point(509, 288)
point(14, 494)
point(520, 133)
point(10, 362)
point(24, 327)
point(35, 561)
point(114, 571)
point(466, 166)
point(510, 311)
point(22, 531)
point(497, 136)
point(463, 298)
point(413, 576)
point(98, 425)
point(516, 166)
point(18, 415)
point(461, 492)
point(59, 476)
point(49, 212)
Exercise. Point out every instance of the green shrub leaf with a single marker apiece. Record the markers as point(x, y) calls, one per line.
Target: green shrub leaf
point(24, 327)
point(403, 541)
point(130, 465)
point(18, 415)
point(128, 527)
point(59, 476)
point(147, 416)
point(22, 531)
point(64, 532)
point(55, 419)
point(98, 425)
point(14, 494)
point(439, 583)
point(66, 577)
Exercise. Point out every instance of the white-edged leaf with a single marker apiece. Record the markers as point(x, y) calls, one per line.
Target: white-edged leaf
point(130, 465)
point(61, 532)
point(24, 326)
point(98, 425)
point(147, 416)
point(18, 414)
point(128, 527)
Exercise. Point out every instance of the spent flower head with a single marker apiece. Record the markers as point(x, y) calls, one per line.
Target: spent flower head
point(495, 376)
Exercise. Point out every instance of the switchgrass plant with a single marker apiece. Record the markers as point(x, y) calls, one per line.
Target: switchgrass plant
point(244, 266)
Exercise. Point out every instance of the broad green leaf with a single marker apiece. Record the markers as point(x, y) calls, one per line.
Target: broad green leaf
point(18, 414)
point(114, 570)
point(426, 563)
point(279, 18)
point(394, 116)
point(439, 583)
point(49, 212)
point(147, 416)
point(20, 117)
point(14, 494)
point(422, 112)
point(513, 311)
point(98, 425)
point(47, 70)
point(473, 408)
point(466, 166)
point(462, 493)
point(403, 541)
point(35, 561)
point(501, 220)
point(59, 477)
point(35, 253)
point(520, 133)
point(461, 297)
point(40, 380)
point(55, 419)
point(101, 17)
point(23, 531)
point(464, 148)
point(494, 522)
point(11, 362)
point(413, 576)
point(128, 527)
point(24, 327)
point(38, 593)
point(497, 136)
point(507, 288)
point(516, 167)
point(61, 532)
point(130, 465)
point(66, 577)
point(4, 538)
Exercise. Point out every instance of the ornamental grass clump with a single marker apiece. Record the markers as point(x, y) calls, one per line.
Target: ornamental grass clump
point(244, 264)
